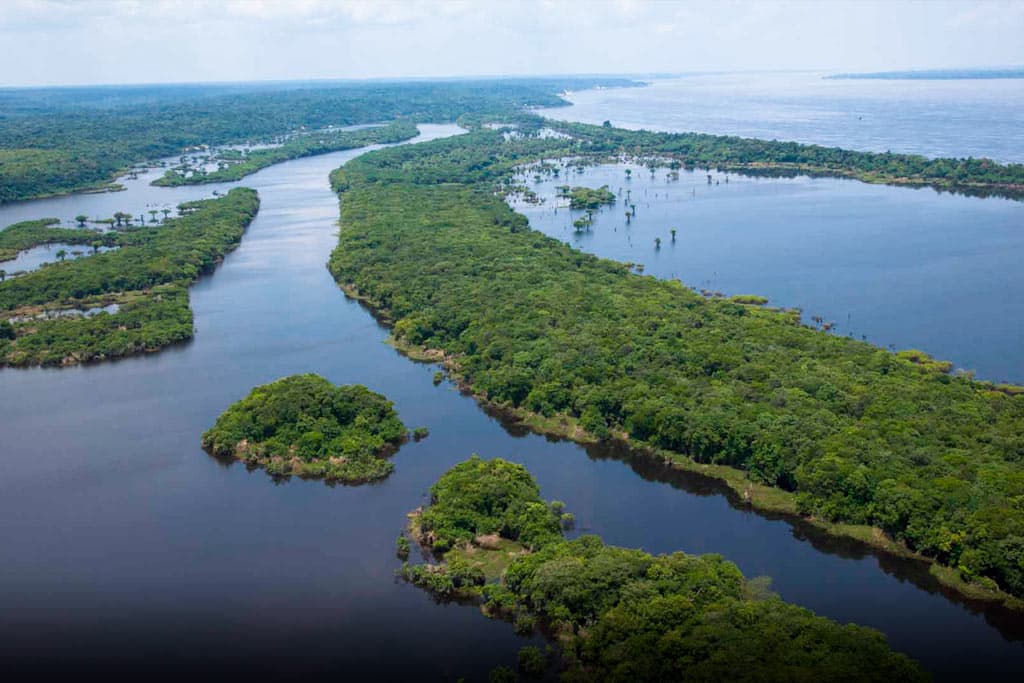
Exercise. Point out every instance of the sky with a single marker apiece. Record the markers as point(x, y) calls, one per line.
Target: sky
point(78, 42)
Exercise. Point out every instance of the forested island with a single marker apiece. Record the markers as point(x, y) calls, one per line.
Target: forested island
point(587, 197)
point(893, 449)
point(305, 426)
point(620, 614)
point(147, 278)
point(237, 166)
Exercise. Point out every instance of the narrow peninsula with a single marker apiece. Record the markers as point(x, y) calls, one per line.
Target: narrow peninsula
point(893, 449)
point(234, 164)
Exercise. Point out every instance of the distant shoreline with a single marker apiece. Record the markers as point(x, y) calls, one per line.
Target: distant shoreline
point(932, 75)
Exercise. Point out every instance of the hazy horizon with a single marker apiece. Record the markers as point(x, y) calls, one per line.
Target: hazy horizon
point(132, 42)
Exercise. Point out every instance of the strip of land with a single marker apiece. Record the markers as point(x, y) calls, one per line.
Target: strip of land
point(59, 140)
point(978, 177)
point(891, 448)
point(147, 277)
point(238, 165)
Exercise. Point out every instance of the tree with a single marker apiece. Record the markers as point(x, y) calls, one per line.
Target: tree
point(165, 212)
point(607, 124)
point(657, 243)
point(3, 274)
point(61, 254)
point(629, 173)
point(96, 246)
point(81, 218)
point(152, 214)
point(673, 231)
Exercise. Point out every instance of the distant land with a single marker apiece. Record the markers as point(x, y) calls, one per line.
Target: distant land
point(937, 74)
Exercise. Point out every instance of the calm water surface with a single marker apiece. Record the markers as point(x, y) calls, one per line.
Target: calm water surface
point(121, 539)
point(902, 268)
point(948, 118)
point(32, 259)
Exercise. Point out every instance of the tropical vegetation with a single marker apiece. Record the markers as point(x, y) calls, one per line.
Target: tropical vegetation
point(239, 165)
point(584, 347)
point(620, 614)
point(147, 277)
point(28, 234)
point(303, 425)
point(56, 140)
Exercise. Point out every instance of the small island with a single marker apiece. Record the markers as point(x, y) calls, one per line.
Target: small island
point(587, 197)
point(619, 613)
point(305, 426)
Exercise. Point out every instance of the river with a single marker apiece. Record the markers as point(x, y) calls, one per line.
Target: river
point(935, 118)
point(122, 540)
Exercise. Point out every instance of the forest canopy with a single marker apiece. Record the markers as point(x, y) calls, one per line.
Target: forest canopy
point(858, 434)
point(624, 615)
point(295, 147)
point(303, 425)
point(55, 140)
point(147, 277)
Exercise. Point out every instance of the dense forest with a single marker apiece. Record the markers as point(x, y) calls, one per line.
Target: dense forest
point(729, 153)
point(147, 277)
point(55, 140)
point(303, 425)
point(584, 347)
point(297, 146)
point(620, 614)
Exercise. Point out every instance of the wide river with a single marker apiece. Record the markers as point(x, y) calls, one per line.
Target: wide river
point(120, 538)
point(935, 118)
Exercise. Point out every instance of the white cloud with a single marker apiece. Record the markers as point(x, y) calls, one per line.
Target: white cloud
point(185, 40)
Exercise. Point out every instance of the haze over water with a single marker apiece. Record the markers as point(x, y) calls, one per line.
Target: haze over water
point(934, 118)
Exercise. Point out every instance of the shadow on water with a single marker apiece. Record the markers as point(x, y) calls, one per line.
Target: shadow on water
point(1009, 623)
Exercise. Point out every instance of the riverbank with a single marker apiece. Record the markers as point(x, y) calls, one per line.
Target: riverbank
point(148, 276)
point(860, 435)
point(759, 497)
point(612, 609)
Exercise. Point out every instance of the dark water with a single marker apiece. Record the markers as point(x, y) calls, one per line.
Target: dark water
point(124, 546)
point(902, 268)
point(949, 118)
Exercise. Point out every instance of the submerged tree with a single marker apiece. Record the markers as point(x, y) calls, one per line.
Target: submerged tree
point(81, 218)
point(61, 254)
